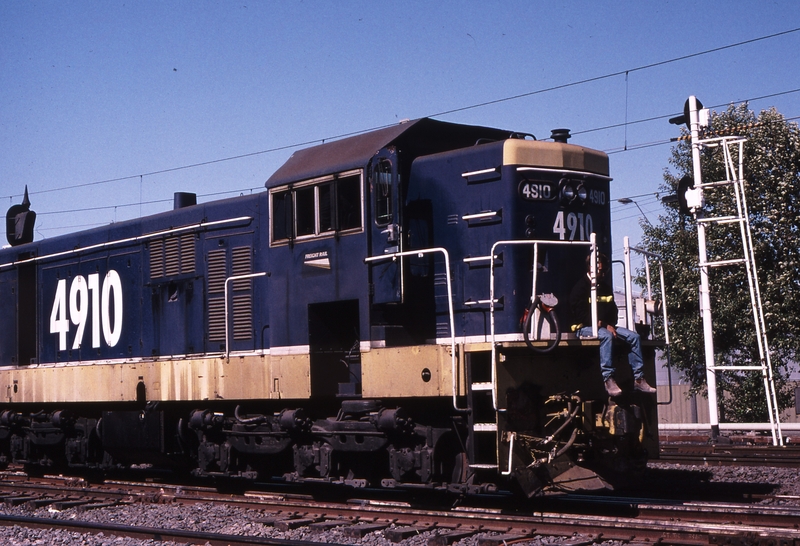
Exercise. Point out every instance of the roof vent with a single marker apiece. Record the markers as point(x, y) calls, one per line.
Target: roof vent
point(183, 199)
point(560, 135)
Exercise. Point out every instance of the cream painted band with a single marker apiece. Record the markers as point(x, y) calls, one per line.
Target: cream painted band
point(238, 378)
point(386, 372)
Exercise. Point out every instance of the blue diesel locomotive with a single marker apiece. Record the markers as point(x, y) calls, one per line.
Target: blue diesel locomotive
point(385, 314)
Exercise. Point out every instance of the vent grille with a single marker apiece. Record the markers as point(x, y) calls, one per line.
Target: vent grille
point(242, 264)
point(156, 259)
point(243, 316)
point(241, 299)
point(172, 256)
point(217, 271)
point(187, 253)
point(216, 319)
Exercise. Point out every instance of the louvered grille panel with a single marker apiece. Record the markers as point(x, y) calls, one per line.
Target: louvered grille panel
point(216, 271)
point(171, 257)
point(243, 316)
point(242, 264)
point(156, 259)
point(187, 253)
point(216, 319)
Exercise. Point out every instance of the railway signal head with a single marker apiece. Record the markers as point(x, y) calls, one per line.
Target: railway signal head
point(19, 222)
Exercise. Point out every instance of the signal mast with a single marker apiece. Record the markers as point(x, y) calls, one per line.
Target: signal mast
point(691, 197)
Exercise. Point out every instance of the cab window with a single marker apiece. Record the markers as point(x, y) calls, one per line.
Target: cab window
point(382, 184)
point(317, 208)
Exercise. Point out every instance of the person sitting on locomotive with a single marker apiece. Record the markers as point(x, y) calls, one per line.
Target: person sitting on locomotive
point(607, 316)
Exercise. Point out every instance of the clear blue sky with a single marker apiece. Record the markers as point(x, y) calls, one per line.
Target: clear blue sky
point(94, 91)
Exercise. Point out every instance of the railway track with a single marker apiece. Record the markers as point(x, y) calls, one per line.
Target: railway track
point(584, 519)
point(727, 454)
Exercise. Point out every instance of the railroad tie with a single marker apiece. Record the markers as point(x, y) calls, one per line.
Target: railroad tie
point(290, 524)
point(396, 534)
point(361, 530)
point(16, 501)
point(502, 540)
point(449, 537)
point(327, 525)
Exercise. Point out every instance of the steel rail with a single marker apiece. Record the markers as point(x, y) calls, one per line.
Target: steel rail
point(730, 455)
point(677, 523)
point(149, 533)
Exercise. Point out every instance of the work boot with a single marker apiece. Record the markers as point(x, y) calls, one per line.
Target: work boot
point(641, 385)
point(612, 388)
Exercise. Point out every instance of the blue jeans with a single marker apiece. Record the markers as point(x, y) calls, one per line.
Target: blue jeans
point(631, 340)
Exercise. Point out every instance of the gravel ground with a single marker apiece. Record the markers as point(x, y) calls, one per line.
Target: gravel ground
point(781, 483)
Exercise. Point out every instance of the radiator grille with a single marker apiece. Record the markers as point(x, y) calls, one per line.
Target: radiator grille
point(243, 316)
point(187, 253)
point(217, 271)
point(242, 264)
point(216, 319)
point(172, 256)
point(156, 259)
point(240, 296)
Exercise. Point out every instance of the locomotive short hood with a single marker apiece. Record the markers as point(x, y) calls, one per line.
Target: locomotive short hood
point(419, 137)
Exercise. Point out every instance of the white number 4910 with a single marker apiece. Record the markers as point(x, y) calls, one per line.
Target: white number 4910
point(85, 295)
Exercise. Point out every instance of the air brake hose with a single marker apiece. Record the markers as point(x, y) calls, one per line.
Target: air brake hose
point(548, 311)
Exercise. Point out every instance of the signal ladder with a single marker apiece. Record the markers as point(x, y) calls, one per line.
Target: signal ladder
point(735, 181)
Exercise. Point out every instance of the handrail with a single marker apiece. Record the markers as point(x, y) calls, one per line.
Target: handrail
point(629, 283)
point(592, 243)
point(419, 253)
point(135, 239)
point(629, 298)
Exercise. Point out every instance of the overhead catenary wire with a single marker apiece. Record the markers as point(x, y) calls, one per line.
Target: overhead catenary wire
point(624, 148)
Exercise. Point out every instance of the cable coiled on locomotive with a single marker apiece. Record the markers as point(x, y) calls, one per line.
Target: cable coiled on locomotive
point(548, 310)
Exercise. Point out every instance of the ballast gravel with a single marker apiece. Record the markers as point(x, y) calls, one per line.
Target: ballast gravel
point(778, 485)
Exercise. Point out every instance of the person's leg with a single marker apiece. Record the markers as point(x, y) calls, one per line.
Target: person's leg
point(606, 341)
point(634, 344)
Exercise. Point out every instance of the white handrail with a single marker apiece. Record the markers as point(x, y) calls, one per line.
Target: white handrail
point(592, 243)
point(629, 284)
point(419, 253)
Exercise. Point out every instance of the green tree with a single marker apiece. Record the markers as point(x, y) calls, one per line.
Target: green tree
point(772, 174)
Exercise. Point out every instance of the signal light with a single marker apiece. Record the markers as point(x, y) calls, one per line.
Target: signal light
point(20, 220)
point(684, 118)
point(684, 184)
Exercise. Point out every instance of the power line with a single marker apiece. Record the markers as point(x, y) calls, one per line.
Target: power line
point(619, 73)
point(461, 109)
point(154, 202)
point(657, 118)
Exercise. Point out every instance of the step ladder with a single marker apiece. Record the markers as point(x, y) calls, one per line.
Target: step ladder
point(732, 148)
point(482, 417)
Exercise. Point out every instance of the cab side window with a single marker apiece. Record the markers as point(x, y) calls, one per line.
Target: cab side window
point(318, 208)
point(382, 181)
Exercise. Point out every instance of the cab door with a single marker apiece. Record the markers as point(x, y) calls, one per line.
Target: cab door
point(386, 227)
